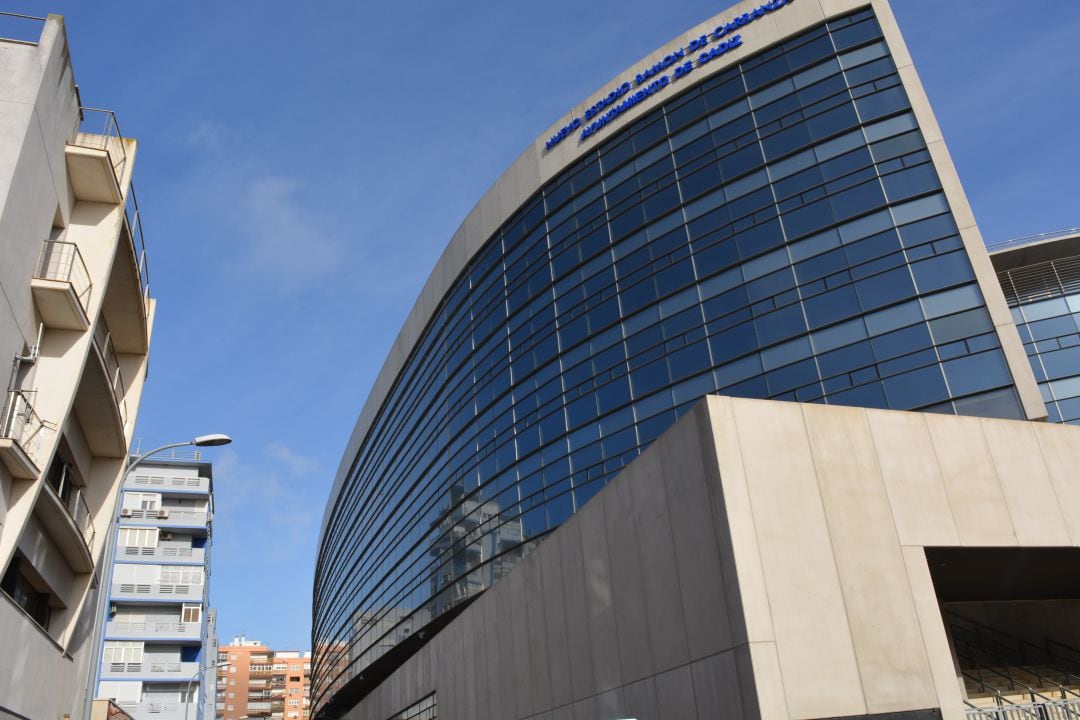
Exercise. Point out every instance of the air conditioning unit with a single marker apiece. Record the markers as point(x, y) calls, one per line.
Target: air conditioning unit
point(166, 536)
point(163, 513)
point(125, 512)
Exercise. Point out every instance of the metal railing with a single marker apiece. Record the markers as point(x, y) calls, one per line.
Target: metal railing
point(62, 261)
point(133, 224)
point(100, 130)
point(23, 425)
point(192, 590)
point(71, 497)
point(157, 628)
point(1041, 281)
point(1050, 710)
point(170, 553)
point(160, 481)
point(171, 454)
point(1028, 239)
point(103, 342)
point(152, 668)
point(21, 28)
point(165, 513)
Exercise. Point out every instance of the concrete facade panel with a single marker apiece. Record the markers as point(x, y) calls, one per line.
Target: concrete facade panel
point(872, 574)
point(967, 471)
point(1025, 485)
point(696, 549)
point(813, 639)
point(913, 481)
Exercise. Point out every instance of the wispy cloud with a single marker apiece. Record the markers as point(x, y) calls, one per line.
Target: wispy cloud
point(298, 465)
point(271, 228)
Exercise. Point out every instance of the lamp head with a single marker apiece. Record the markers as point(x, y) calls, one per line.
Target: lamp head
point(211, 440)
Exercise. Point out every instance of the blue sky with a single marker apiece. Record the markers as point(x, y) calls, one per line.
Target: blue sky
point(302, 165)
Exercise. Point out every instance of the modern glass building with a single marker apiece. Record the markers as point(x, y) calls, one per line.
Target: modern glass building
point(763, 208)
point(1040, 276)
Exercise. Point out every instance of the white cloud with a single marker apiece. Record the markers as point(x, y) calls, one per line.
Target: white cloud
point(296, 463)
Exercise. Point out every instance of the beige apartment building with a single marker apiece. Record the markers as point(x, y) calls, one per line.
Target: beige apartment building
point(254, 681)
point(75, 325)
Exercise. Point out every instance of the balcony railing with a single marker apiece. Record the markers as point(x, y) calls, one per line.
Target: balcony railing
point(133, 222)
point(184, 669)
point(99, 130)
point(1000, 245)
point(165, 630)
point(183, 591)
point(60, 481)
point(160, 482)
point(62, 261)
point(103, 342)
point(158, 710)
point(21, 424)
point(161, 553)
point(21, 28)
point(166, 515)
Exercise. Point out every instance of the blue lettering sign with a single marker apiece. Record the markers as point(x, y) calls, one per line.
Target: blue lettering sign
point(608, 108)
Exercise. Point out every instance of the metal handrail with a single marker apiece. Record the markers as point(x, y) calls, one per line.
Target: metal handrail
point(62, 261)
point(72, 498)
point(1053, 710)
point(1025, 647)
point(21, 423)
point(38, 22)
point(133, 223)
point(103, 342)
point(100, 130)
point(1026, 239)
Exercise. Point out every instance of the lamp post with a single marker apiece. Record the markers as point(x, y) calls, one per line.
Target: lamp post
point(199, 672)
point(96, 643)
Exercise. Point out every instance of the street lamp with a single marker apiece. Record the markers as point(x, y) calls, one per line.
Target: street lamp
point(199, 672)
point(110, 550)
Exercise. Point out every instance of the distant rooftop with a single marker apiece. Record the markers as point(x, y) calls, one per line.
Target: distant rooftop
point(1032, 239)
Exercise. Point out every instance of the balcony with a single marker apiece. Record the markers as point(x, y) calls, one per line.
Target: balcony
point(127, 302)
point(22, 436)
point(97, 157)
point(163, 483)
point(61, 286)
point(99, 402)
point(63, 511)
point(157, 591)
point(179, 631)
point(163, 670)
point(160, 710)
point(166, 517)
point(161, 554)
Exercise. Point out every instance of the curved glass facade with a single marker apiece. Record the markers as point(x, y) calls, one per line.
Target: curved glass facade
point(776, 231)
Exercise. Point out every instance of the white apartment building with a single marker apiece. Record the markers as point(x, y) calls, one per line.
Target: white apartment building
point(75, 325)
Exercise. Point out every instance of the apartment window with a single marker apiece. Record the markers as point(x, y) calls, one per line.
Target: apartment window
point(123, 651)
point(181, 575)
point(295, 668)
point(22, 585)
point(138, 537)
point(232, 695)
point(142, 501)
point(191, 613)
point(294, 703)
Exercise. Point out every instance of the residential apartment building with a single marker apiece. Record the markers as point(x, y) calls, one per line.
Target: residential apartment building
point(75, 326)
point(257, 682)
point(158, 640)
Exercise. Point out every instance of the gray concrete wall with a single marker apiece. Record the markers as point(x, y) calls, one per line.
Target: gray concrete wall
point(760, 560)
